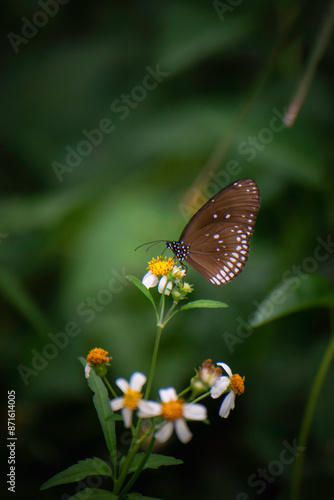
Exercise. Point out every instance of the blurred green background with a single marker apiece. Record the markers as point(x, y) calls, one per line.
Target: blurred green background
point(66, 231)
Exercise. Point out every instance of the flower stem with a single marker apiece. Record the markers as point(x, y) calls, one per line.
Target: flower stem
point(169, 314)
point(106, 381)
point(205, 395)
point(156, 347)
point(309, 412)
point(316, 55)
point(135, 444)
point(184, 391)
point(153, 363)
point(139, 468)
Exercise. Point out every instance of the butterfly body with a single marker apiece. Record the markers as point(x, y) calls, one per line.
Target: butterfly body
point(180, 250)
point(215, 241)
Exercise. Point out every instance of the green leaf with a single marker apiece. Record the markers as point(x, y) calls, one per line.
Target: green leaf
point(89, 467)
point(292, 295)
point(209, 304)
point(115, 417)
point(103, 409)
point(154, 462)
point(139, 496)
point(142, 288)
point(94, 494)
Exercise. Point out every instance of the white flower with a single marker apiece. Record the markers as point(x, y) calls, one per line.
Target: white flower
point(236, 385)
point(150, 280)
point(157, 274)
point(132, 395)
point(174, 411)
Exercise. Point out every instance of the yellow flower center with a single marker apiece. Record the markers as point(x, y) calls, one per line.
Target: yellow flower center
point(160, 266)
point(131, 399)
point(98, 356)
point(237, 384)
point(172, 409)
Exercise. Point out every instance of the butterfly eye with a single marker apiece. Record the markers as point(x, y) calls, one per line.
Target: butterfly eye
point(215, 241)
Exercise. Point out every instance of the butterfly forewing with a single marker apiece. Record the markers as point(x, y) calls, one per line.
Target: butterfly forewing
point(217, 236)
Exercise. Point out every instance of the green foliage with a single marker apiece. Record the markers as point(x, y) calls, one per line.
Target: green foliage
point(89, 467)
point(292, 296)
point(203, 304)
point(103, 410)
point(143, 289)
point(154, 462)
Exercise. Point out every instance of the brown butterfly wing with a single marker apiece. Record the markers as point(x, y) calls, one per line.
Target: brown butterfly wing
point(218, 234)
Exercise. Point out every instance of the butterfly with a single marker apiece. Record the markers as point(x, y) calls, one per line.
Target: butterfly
point(215, 242)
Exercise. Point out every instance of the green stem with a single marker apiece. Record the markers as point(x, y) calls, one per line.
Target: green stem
point(134, 447)
point(161, 307)
point(139, 468)
point(170, 314)
point(114, 450)
point(221, 149)
point(184, 391)
point(106, 381)
point(153, 362)
point(309, 412)
point(306, 80)
point(156, 347)
point(135, 444)
point(205, 395)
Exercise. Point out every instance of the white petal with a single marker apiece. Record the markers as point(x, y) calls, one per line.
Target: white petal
point(194, 411)
point(227, 405)
point(164, 432)
point(164, 286)
point(147, 409)
point(220, 386)
point(127, 417)
point(226, 368)
point(122, 384)
point(87, 370)
point(182, 431)
point(117, 403)
point(137, 381)
point(168, 394)
point(150, 280)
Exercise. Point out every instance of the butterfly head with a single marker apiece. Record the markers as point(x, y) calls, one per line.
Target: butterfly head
point(180, 250)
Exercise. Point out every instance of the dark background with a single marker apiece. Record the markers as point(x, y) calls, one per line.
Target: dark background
point(64, 237)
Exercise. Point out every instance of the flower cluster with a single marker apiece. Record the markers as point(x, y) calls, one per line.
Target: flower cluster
point(168, 277)
point(172, 412)
point(99, 360)
point(205, 378)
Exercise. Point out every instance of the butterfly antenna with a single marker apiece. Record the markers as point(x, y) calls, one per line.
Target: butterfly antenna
point(152, 243)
